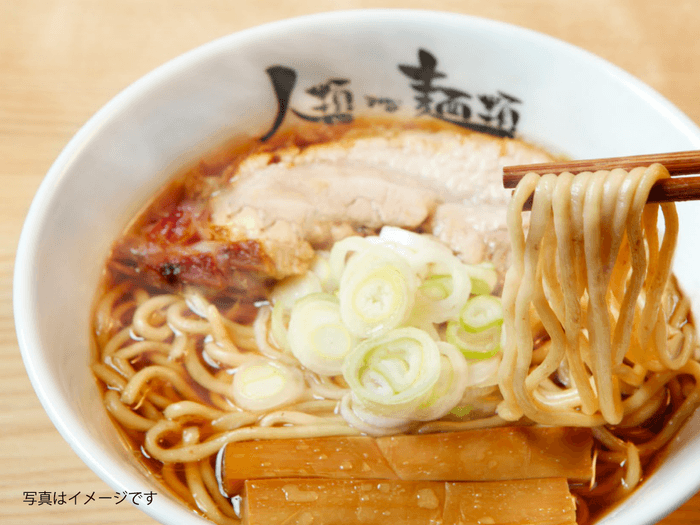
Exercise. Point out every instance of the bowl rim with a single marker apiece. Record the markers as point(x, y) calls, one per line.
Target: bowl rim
point(25, 285)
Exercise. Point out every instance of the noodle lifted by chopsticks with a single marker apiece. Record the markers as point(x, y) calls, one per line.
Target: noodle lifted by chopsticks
point(598, 283)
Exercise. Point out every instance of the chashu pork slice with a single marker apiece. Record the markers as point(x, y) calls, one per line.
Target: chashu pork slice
point(294, 201)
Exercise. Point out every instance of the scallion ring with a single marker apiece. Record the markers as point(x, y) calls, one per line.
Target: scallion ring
point(317, 336)
point(393, 374)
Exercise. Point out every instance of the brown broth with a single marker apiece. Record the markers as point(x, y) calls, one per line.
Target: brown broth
point(197, 183)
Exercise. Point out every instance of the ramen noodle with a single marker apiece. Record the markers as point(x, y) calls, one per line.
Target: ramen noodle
point(325, 322)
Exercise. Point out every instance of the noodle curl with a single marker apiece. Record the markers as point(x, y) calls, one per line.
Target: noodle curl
point(594, 270)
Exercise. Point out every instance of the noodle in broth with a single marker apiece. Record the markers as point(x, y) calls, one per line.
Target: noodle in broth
point(618, 325)
point(602, 338)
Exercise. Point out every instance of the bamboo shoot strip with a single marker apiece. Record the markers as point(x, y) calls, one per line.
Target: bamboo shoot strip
point(530, 501)
point(474, 455)
point(349, 502)
point(328, 457)
point(492, 454)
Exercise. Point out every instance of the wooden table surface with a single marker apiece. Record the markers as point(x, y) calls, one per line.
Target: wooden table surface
point(61, 60)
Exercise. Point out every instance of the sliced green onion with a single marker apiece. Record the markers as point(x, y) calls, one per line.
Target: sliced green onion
point(450, 269)
point(278, 325)
point(369, 422)
point(284, 295)
point(377, 291)
point(289, 290)
point(393, 374)
point(419, 320)
point(341, 251)
point(448, 391)
point(481, 312)
point(417, 242)
point(322, 268)
point(262, 385)
point(437, 287)
point(474, 345)
point(483, 276)
point(317, 336)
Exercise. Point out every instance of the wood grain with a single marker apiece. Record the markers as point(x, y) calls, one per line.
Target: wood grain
point(677, 163)
point(675, 189)
point(61, 60)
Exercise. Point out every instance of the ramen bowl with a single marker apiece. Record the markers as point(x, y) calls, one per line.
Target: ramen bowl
point(329, 68)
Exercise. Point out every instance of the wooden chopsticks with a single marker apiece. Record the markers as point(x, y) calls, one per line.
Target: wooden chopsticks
point(677, 188)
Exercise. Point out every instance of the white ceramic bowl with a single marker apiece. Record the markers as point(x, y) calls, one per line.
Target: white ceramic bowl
point(567, 100)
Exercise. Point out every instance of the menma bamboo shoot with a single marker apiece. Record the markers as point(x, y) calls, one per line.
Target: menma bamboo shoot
point(327, 457)
point(304, 501)
point(492, 454)
point(475, 455)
